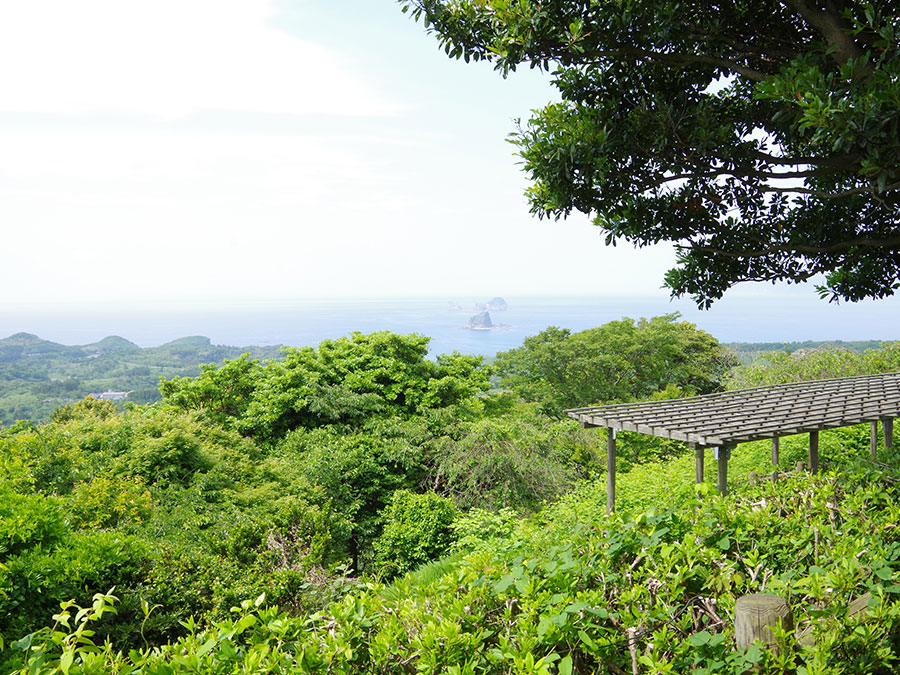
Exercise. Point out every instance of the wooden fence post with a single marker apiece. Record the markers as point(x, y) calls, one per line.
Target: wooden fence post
point(814, 451)
point(888, 425)
point(775, 448)
point(873, 438)
point(755, 615)
point(699, 463)
point(722, 483)
point(610, 470)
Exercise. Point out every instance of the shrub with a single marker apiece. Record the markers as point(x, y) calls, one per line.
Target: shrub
point(110, 502)
point(36, 580)
point(418, 528)
point(27, 521)
point(513, 462)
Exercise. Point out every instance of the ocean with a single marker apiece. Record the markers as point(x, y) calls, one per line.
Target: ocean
point(759, 317)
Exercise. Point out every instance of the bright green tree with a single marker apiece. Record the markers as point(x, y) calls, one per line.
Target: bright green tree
point(343, 381)
point(762, 138)
point(222, 393)
point(619, 361)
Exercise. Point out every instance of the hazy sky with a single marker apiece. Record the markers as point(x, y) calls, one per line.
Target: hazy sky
point(216, 149)
point(219, 150)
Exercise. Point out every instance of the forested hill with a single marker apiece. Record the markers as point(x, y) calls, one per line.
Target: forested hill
point(37, 376)
point(746, 352)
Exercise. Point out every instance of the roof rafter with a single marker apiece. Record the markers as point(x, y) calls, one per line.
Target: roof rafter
point(745, 415)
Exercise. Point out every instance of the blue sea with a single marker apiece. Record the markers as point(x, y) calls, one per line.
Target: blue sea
point(759, 317)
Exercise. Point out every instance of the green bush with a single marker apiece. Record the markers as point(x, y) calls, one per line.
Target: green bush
point(28, 521)
point(814, 364)
point(35, 581)
point(571, 591)
point(171, 455)
point(110, 502)
point(516, 461)
point(418, 528)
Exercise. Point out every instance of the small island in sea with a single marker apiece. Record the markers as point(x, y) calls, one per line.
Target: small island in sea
point(497, 304)
point(482, 321)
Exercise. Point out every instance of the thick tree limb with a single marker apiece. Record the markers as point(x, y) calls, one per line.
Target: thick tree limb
point(676, 59)
point(800, 248)
point(831, 195)
point(843, 161)
point(830, 25)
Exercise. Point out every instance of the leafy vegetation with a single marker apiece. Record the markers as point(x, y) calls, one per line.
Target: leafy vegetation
point(816, 364)
point(618, 362)
point(572, 590)
point(389, 514)
point(38, 376)
point(747, 352)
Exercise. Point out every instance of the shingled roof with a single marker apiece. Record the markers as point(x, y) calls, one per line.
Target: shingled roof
point(753, 414)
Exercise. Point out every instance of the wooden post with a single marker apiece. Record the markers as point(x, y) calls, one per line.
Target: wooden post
point(775, 448)
point(756, 614)
point(873, 439)
point(724, 452)
point(699, 462)
point(814, 451)
point(610, 470)
point(888, 425)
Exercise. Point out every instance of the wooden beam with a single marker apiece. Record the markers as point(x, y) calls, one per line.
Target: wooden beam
point(888, 425)
point(699, 462)
point(722, 483)
point(610, 470)
point(756, 615)
point(775, 449)
point(814, 451)
point(873, 439)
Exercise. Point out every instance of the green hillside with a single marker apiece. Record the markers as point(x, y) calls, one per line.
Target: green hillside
point(37, 376)
point(360, 508)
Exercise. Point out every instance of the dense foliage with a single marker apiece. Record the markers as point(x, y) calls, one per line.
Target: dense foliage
point(761, 138)
point(312, 482)
point(37, 376)
point(816, 364)
point(344, 381)
point(748, 352)
point(277, 476)
point(618, 362)
point(573, 591)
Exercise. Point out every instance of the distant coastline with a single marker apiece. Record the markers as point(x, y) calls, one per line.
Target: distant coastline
point(764, 318)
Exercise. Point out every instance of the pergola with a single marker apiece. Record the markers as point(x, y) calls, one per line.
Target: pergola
point(723, 420)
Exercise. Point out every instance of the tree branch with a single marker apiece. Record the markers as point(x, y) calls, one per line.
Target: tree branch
point(845, 161)
point(749, 173)
point(680, 60)
point(830, 25)
point(830, 195)
point(801, 248)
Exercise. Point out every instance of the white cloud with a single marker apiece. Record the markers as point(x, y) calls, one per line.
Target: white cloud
point(167, 58)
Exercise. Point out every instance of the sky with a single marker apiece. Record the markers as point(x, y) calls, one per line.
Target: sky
point(232, 151)
point(237, 149)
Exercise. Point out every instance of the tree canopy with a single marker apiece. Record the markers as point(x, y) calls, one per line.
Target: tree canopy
point(342, 381)
point(761, 138)
point(619, 361)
